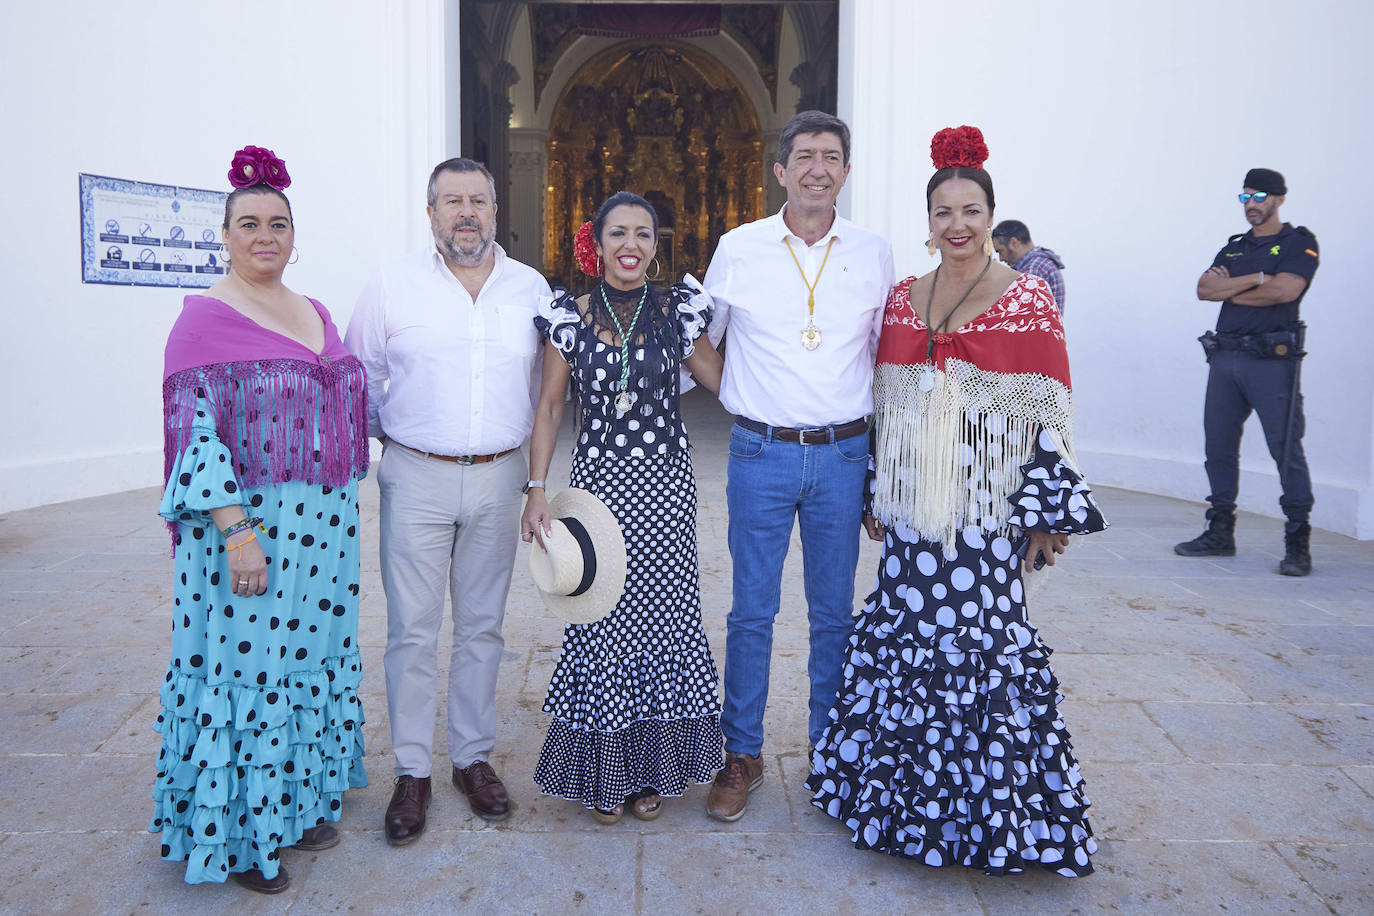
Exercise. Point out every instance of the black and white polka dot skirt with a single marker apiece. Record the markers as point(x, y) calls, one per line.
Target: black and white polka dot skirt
point(634, 696)
point(946, 744)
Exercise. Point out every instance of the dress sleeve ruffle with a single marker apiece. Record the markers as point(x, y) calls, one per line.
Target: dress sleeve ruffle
point(1054, 497)
point(202, 475)
point(693, 308)
point(557, 320)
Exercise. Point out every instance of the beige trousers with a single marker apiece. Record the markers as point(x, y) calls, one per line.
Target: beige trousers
point(445, 524)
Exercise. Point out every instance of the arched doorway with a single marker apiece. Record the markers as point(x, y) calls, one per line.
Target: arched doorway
point(669, 122)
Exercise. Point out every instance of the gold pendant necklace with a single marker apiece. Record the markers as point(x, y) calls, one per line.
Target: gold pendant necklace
point(810, 335)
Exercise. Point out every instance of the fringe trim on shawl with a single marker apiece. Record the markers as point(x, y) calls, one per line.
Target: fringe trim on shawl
point(951, 442)
point(281, 419)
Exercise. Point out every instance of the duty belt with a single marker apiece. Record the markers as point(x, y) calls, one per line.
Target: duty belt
point(1273, 345)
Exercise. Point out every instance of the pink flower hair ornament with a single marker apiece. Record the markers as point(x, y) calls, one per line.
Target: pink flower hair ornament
point(254, 165)
point(584, 249)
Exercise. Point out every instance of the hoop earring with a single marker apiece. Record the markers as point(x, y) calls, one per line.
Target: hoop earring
point(295, 255)
point(987, 244)
point(653, 272)
point(930, 244)
point(223, 254)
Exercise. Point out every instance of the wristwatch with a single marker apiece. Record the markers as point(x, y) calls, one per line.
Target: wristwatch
point(532, 484)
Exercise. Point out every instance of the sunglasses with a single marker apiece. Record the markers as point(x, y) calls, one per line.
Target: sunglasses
point(1259, 197)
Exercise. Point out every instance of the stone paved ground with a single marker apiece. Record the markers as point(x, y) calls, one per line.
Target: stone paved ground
point(1222, 714)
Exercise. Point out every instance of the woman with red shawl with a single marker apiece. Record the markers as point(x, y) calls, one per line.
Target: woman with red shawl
point(265, 418)
point(945, 743)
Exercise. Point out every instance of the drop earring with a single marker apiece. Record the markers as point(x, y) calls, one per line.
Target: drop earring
point(930, 244)
point(987, 244)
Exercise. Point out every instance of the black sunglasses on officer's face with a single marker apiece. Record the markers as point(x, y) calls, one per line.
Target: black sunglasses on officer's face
point(1259, 197)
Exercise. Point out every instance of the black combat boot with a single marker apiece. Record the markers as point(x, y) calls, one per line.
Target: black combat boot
point(1219, 540)
point(1297, 556)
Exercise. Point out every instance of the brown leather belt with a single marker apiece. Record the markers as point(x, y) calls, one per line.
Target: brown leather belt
point(457, 459)
point(811, 435)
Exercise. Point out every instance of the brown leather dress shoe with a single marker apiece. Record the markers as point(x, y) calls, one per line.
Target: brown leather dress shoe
point(405, 816)
point(486, 794)
point(322, 836)
point(254, 881)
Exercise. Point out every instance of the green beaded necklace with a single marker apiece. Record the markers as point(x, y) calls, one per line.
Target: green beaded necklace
point(624, 399)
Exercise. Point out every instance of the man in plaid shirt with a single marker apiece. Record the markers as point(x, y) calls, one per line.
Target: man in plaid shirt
point(1012, 240)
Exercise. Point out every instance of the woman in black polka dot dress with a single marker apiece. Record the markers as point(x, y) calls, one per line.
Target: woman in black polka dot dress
point(945, 743)
point(266, 438)
point(634, 696)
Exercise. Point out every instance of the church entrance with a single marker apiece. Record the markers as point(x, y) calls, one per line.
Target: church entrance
point(568, 103)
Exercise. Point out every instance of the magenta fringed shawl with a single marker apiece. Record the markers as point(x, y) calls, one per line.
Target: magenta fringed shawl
point(283, 411)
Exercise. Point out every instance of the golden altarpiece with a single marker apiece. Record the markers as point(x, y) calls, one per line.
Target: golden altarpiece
point(669, 123)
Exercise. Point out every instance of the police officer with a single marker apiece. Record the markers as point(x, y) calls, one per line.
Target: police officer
point(1259, 278)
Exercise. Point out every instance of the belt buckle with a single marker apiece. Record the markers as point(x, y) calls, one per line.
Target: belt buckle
point(802, 433)
point(464, 459)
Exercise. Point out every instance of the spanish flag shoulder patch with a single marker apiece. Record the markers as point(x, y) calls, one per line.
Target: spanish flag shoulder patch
point(1310, 251)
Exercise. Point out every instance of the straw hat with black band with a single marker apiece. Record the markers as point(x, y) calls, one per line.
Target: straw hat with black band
point(580, 568)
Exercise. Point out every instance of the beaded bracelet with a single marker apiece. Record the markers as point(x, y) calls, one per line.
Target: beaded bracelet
point(241, 524)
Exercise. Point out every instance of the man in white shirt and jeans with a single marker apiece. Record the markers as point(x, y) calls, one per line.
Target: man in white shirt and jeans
point(802, 294)
point(451, 351)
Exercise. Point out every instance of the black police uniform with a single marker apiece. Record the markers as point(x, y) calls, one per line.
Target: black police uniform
point(1254, 354)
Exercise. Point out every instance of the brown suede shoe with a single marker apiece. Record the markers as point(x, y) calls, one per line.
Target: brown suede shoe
point(732, 785)
point(405, 816)
point(322, 836)
point(254, 881)
point(486, 794)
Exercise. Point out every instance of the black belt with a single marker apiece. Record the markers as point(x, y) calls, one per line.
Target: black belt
point(809, 435)
point(1271, 345)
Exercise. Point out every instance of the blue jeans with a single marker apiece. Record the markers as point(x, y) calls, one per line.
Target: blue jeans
point(769, 484)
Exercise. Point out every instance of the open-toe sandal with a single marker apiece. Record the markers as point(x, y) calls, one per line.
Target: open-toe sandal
point(646, 804)
point(608, 816)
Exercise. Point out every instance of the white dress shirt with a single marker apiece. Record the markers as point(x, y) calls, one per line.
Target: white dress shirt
point(446, 373)
point(761, 301)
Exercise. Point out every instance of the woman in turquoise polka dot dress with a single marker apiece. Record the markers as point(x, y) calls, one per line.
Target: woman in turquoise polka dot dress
point(265, 439)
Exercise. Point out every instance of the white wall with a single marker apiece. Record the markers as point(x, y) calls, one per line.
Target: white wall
point(1120, 134)
point(349, 92)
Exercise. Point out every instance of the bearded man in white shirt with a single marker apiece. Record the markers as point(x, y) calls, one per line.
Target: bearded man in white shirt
point(801, 294)
point(450, 347)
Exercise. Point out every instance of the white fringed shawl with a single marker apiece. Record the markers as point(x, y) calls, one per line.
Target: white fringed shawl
point(953, 433)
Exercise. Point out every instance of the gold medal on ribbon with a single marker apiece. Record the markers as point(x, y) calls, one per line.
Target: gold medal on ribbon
point(810, 335)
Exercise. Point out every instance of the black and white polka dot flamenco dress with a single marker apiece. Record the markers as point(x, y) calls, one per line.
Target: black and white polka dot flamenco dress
point(634, 695)
point(946, 744)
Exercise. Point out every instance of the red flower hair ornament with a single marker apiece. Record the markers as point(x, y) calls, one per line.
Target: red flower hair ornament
point(254, 165)
point(584, 249)
point(958, 146)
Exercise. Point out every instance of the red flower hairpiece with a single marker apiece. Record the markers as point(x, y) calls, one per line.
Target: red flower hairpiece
point(584, 249)
point(958, 146)
point(257, 165)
